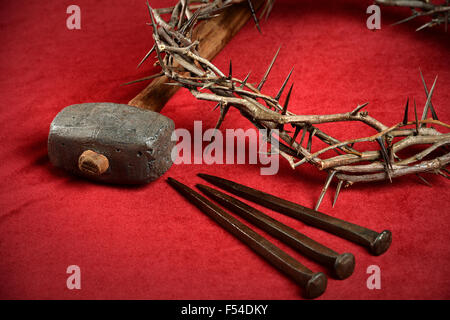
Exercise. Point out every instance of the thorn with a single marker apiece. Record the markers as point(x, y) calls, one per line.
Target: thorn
point(268, 134)
point(391, 155)
point(266, 5)
point(303, 136)
point(155, 33)
point(263, 80)
point(296, 132)
point(405, 117)
point(270, 9)
point(385, 156)
point(287, 100)
point(428, 103)
point(396, 157)
point(190, 22)
point(149, 8)
point(174, 15)
point(182, 13)
point(223, 112)
point(267, 9)
point(299, 148)
point(415, 116)
point(358, 108)
point(424, 26)
point(245, 80)
point(311, 135)
point(433, 112)
point(278, 96)
point(150, 12)
point(309, 145)
point(325, 188)
point(389, 175)
point(405, 20)
point(255, 18)
point(283, 112)
point(144, 79)
point(423, 179)
point(439, 172)
point(338, 189)
point(146, 56)
point(385, 152)
point(230, 75)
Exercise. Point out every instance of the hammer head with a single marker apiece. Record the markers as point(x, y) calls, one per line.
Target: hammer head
point(111, 142)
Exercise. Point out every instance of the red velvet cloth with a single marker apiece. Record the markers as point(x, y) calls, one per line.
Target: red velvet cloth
point(148, 242)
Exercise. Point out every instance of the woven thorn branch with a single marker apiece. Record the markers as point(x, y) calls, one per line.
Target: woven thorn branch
point(180, 61)
point(437, 14)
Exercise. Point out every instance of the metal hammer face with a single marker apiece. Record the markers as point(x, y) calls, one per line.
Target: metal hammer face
point(109, 142)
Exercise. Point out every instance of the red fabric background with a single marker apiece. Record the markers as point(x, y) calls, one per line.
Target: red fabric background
point(148, 242)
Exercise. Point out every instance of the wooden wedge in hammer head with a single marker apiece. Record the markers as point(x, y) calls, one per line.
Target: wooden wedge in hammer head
point(113, 143)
